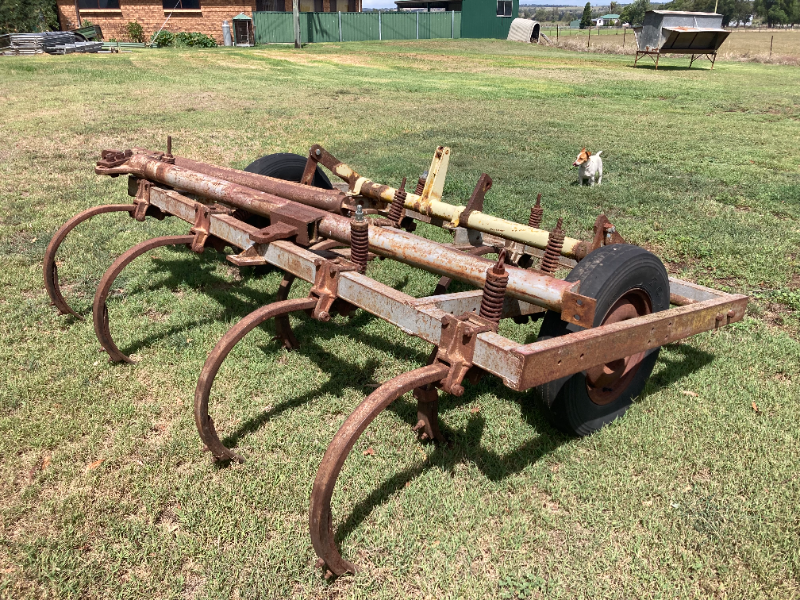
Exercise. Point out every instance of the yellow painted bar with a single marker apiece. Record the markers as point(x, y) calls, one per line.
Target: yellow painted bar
point(482, 222)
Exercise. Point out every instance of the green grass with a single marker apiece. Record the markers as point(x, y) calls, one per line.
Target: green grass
point(694, 493)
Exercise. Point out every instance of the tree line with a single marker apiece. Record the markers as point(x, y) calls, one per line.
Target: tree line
point(770, 12)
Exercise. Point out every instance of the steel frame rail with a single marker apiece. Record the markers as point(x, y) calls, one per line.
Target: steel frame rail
point(520, 366)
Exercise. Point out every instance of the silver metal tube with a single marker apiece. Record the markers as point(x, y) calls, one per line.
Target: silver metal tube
point(529, 286)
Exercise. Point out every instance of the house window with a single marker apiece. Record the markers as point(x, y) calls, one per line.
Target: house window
point(98, 4)
point(271, 5)
point(180, 4)
point(503, 8)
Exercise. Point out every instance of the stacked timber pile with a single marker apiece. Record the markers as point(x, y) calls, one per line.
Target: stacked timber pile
point(51, 42)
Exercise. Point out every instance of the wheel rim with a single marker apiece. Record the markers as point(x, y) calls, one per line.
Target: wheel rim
point(606, 382)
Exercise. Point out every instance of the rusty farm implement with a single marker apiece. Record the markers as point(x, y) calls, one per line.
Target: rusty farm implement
point(602, 325)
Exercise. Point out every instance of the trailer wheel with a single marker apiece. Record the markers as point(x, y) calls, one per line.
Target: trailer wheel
point(627, 281)
point(289, 167)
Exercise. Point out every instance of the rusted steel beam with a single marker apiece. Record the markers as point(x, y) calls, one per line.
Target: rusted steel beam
point(516, 364)
point(329, 200)
point(529, 286)
point(552, 359)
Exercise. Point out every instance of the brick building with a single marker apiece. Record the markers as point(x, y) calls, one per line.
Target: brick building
point(205, 16)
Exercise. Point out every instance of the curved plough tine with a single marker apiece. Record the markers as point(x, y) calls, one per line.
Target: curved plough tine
point(205, 424)
point(50, 268)
point(320, 521)
point(100, 309)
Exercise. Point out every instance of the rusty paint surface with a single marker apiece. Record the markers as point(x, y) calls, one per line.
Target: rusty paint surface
point(558, 357)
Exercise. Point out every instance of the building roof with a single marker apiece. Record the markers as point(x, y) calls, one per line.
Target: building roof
point(610, 16)
point(575, 22)
point(242, 17)
point(445, 4)
point(680, 12)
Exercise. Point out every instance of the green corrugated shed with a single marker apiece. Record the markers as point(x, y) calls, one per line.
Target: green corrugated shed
point(479, 19)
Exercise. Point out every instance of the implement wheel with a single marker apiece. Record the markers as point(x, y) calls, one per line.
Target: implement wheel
point(627, 282)
point(288, 167)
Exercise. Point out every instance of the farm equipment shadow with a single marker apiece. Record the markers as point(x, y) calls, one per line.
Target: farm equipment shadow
point(463, 445)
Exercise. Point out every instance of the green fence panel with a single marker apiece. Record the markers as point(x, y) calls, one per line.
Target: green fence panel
point(320, 27)
point(441, 25)
point(424, 25)
point(399, 26)
point(358, 27)
point(273, 27)
point(277, 27)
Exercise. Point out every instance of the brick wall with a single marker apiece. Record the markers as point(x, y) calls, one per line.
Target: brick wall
point(150, 15)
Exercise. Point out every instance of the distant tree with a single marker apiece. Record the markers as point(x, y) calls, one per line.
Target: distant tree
point(742, 11)
point(731, 10)
point(777, 12)
point(613, 8)
point(586, 18)
point(19, 16)
point(634, 12)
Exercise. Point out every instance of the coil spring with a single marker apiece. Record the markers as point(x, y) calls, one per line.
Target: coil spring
point(398, 204)
point(537, 212)
point(494, 292)
point(421, 184)
point(359, 243)
point(555, 241)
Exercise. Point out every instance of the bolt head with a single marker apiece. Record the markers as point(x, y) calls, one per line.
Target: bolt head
point(318, 152)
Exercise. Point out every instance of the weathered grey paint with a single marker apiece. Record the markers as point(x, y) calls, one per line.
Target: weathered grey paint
point(672, 31)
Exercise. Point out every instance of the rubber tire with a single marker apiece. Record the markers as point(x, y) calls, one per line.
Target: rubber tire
point(606, 275)
point(289, 167)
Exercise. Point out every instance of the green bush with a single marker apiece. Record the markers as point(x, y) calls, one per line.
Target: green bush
point(135, 32)
point(163, 39)
point(184, 38)
point(194, 40)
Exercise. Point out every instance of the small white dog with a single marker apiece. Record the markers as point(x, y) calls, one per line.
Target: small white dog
point(590, 168)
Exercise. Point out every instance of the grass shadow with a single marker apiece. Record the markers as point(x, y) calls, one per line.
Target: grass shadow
point(465, 445)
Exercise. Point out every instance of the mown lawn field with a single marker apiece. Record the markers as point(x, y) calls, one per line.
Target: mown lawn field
point(105, 490)
point(776, 46)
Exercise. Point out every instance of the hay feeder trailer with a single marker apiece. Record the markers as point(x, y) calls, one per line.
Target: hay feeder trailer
point(678, 32)
point(602, 326)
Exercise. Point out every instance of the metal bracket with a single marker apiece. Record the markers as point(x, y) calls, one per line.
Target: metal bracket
point(318, 154)
point(311, 166)
point(142, 200)
point(434, 184)
point(251, 257)
point(475, 202)
point(326, 288)
point(202, 224)
point(457, 346)
point(113, 158)
point(605, 234)
point(271, 233)
point(302, 219)
point(577, 309)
